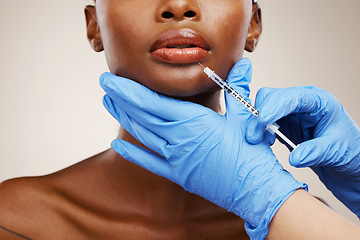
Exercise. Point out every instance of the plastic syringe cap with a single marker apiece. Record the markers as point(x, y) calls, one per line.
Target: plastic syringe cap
point(272, 128)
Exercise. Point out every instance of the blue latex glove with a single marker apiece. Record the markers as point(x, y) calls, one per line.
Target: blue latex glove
point(204, 152)
point(329, 139)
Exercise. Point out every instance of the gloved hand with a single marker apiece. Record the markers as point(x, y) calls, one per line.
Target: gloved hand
point(204, 152)
point(329, 139)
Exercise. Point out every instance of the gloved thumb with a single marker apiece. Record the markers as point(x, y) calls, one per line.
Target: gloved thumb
point(239, 79)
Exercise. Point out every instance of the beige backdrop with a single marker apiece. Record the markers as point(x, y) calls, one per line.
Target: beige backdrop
point(51, 103)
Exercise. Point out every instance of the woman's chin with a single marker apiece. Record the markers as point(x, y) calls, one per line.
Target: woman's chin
point(183, 91)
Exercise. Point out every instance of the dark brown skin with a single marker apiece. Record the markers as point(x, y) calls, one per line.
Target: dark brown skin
point(106, 197)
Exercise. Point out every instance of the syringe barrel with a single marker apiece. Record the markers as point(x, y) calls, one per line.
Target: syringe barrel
point(231, 91)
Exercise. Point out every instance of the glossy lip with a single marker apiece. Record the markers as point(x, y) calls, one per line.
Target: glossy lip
point(194, 47)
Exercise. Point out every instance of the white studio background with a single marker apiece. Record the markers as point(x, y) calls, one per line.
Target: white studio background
point(51, 102)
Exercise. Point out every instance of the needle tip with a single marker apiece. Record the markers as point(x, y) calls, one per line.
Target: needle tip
point(201, 65)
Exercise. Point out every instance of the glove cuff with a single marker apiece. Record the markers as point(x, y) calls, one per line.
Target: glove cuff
point(268, 192)
point(261, 230)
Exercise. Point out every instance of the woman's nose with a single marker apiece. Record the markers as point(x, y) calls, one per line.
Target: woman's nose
point(178, 10)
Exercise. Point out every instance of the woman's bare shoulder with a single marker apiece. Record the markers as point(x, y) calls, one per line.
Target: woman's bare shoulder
point(28, 204)
point(22, 202)
point(19, 191)
point(28, 193)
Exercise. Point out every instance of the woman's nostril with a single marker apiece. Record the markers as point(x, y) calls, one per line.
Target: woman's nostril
point(167, 15)
point(190, 14)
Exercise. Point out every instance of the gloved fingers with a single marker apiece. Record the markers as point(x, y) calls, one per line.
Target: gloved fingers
point(239, 79)
point(141, 133)
point(117, 113)
point(138, 97)
point(261, 94)
point(240, 76)
point(322, 151)
point(144, 158)
point(160, 132)
point(279, 103)
point(270, 137)
point(254, 131)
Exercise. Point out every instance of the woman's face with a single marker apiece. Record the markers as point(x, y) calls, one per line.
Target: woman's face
point(159, 43)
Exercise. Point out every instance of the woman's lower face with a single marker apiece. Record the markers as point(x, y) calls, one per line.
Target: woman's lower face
point(159, 43)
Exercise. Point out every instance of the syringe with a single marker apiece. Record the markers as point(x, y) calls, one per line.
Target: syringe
point(272, 128)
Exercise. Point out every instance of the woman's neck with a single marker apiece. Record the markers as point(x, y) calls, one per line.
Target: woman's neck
point(157, 193)
point(154, 195)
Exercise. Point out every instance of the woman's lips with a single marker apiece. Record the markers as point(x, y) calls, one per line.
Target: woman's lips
point(180, 46)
